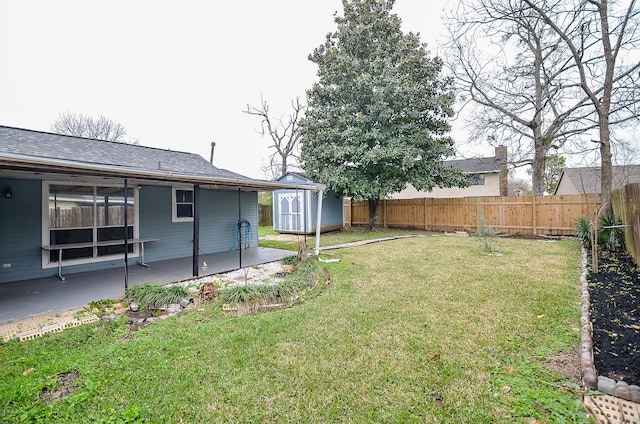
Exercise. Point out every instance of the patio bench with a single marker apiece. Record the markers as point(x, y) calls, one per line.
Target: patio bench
point(65, 246)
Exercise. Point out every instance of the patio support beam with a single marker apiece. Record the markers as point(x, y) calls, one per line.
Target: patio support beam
point(239, 231)
point(196, 229)
point(126, 235)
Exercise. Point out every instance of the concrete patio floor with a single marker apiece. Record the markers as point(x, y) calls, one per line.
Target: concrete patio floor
point(23, 299)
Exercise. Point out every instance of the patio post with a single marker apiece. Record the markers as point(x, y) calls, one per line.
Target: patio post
point(126, 236)
point(319, 221)
point(196, 229)
point(239, 230)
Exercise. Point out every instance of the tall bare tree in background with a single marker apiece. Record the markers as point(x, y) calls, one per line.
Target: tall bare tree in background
point(517, 73)
point(284, 134)
point(602, 38)
point(100, 128)
point(584, 76)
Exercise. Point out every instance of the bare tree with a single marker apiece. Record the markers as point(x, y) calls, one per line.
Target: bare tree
point(284, 134)
point(517, 74)
point(602, 38)
point(100, 128)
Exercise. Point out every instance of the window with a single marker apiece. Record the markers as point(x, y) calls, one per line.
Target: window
point(86, 214)
point(182, 205)
point(476, 179)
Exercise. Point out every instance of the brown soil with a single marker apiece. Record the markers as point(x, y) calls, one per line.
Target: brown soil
point(615, 314)
point(65, 386)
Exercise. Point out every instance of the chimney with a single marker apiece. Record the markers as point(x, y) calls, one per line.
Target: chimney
point(501, 154)
point(213, 146)
point(501, 157)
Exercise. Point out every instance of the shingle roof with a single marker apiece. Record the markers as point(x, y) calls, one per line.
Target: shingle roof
point(97, 152)
point(587, 179)
point(477, 165)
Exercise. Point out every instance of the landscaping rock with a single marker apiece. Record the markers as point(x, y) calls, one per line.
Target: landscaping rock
point(184, 303)
point(621, 390)
point(174, 308)
point(589, 378)
point(606, 385)
point(635, 393)
point(134, 307)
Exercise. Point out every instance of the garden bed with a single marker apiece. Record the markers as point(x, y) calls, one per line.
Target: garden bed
point(615, 314)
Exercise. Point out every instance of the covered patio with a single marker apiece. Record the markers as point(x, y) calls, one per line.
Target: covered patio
point(21, 299)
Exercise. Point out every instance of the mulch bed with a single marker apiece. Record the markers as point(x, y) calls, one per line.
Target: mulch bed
point(615, 314)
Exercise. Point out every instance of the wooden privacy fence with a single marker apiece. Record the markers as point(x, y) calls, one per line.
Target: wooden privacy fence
point(550, 215)
point(625, 203)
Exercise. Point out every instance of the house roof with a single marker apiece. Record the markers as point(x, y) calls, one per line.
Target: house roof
point(587, 179)
point(477, 165)
point(29, 150)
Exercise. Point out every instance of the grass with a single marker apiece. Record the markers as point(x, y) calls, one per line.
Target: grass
point(414, 330)
point(346, 235)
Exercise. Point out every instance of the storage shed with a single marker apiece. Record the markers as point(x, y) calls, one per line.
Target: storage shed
point(295, 211)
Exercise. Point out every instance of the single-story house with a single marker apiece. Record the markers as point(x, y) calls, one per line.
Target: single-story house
point(586, 180)
point(65, 201)
point(295, 210)
point(487, 176)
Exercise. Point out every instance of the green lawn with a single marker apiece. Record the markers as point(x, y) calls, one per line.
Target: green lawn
point(424, 329)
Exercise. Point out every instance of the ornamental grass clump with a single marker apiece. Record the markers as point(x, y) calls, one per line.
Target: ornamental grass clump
point(305, 276)
point(150, 296)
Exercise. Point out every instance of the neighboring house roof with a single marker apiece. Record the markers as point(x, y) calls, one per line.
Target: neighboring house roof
point(477, 165)
point(32, 150)
point(587, 179)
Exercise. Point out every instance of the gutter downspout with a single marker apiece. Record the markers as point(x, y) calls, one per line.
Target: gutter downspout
point(319, 221)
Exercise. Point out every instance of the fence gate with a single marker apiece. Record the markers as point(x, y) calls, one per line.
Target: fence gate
point(291, 214)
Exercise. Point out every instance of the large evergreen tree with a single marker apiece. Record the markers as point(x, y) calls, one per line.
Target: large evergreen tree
point(377, 119)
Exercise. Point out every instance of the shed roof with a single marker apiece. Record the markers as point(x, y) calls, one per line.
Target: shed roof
point(28, 150)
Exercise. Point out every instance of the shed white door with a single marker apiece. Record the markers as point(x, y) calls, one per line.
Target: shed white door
point(291, 212)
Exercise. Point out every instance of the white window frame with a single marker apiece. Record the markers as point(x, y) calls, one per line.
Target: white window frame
point(46, 240)
point(174, 205)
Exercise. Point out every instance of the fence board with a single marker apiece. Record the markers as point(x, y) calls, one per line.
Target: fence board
point(551, 215)
point(626, 206)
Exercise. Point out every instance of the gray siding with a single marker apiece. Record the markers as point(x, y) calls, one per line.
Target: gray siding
point(21, 228)
point(332, 213)
point(218, 223)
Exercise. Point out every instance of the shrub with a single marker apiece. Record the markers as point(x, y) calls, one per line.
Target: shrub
point(583, 232)
point(610, 233)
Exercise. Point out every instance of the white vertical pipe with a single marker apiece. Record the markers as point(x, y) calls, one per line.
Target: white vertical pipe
point(319, 221)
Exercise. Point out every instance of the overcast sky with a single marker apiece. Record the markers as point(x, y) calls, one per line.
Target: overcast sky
point(177, 75)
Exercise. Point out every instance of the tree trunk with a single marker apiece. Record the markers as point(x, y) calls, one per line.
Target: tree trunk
point(606, 174)
point(538, 165)
point(373, 213)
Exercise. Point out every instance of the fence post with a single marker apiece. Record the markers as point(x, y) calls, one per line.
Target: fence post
point(424, 213)
point(534, 218)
